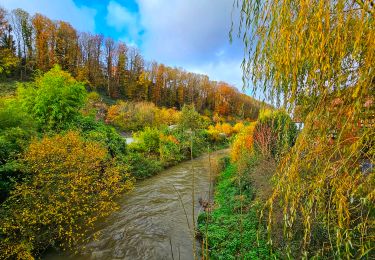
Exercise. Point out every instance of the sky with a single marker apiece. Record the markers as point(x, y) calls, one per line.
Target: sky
point(191, 34)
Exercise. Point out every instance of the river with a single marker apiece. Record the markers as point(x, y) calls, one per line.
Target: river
point(151, 223)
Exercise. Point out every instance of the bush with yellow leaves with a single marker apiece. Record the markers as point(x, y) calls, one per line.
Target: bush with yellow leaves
point(216, 132)
point(213, 133)
point(69, 184)
point(238, 127)
point(243, 143)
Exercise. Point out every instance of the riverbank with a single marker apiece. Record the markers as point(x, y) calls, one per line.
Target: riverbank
point(231, 229)
point(155, 150)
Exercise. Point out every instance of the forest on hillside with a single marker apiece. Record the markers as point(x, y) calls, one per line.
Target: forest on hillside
point(33, 44)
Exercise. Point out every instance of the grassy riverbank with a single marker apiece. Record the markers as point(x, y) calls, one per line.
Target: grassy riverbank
point(231, 230)
point(157, 149)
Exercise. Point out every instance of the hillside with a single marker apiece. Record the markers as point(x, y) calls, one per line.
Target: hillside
point(34, 44)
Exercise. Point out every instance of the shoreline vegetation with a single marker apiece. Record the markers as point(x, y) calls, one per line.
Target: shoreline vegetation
point(64, 161)
point(286, 192)
point(231, 227)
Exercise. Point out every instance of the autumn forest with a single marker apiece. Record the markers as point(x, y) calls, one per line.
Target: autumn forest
point(108, 154)
point(33, 44)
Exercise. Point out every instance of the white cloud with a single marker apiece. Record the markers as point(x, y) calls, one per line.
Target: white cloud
point(81, 17)
point(123, 20)
point(192, 34)
point(219, 71)
point(182, 29)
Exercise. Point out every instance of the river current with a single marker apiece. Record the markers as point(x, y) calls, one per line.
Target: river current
point(155, 219)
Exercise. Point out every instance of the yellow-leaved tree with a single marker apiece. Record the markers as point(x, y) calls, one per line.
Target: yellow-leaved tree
point(317, 57)
point(69, 184)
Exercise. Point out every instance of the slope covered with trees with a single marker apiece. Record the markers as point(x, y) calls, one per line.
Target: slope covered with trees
point(31, 44)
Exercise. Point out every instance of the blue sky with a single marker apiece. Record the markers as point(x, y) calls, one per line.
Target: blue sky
point(192, 34)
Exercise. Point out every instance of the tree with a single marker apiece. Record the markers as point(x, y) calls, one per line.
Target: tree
point(121, 71)
point(3, 21)
point(190, 119)
point(136, 66)
point(109, 52)
point(54, 99)
point(45, 39)
point(90, 55)
point(69, 184)
point(66, 50)
point(143, 85)
point(23, 31)
point(319, 55)
point(16, 129)
point(8, 60)
point(159, 84)
point(224, 98)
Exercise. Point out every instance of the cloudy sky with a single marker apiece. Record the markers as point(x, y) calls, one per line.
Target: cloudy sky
point(192, 34)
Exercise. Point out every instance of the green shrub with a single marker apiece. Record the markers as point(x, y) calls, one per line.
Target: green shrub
point(196, 139)
point(16, 130)
point(54, 99)
point(7, 87)
point(106, 135)
point(148, 140)
point(170, 152)
point(190, 119)
point(140, 166)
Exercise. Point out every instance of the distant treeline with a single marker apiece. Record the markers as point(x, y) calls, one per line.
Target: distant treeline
point(35, 43)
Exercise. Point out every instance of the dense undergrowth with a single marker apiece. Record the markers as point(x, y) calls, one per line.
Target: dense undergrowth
point(232, 229)
point(155, 149)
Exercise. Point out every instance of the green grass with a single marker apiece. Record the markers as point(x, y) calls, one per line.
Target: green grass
point(233, 224)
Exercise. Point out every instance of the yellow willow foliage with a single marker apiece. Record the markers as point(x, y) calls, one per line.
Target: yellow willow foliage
point(69, 185)
point(319, 55)
point(307, 47)
point(326, 183)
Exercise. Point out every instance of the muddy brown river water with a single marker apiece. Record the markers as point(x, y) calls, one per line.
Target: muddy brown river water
point(151, 223)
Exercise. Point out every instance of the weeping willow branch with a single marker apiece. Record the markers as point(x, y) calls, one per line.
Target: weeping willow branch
point(319, 57)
